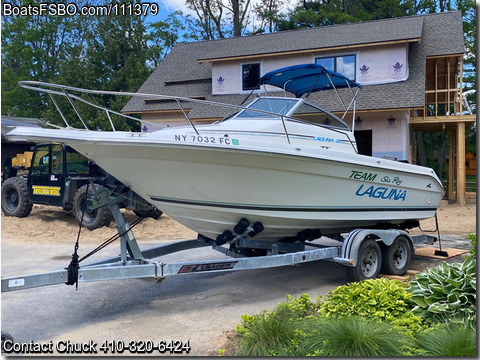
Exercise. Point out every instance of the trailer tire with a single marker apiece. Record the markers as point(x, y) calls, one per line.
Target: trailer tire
point(15, 201)
point(93, 219)
point(396, 257)
point(369, 262)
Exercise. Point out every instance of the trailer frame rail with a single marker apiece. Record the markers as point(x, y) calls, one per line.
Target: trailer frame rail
point(116, 269)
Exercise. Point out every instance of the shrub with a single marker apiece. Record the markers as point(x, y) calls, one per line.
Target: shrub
point(264, 335)
point(276, 332)
point(446, 293)
point(297, 307)
point(450, 340)
point(473, 240)
point(380, 299)
point(351, 336)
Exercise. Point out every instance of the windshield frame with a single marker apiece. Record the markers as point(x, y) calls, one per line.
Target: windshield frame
point(346, 127)
point(269, 113)
point(236, 114)
point(288, 115)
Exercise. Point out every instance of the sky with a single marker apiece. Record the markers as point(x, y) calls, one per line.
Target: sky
point(169, 6)
point(166, 7)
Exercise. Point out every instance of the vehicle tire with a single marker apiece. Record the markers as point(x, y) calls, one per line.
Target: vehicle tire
point(369, 262)
point(396, 257)
point(93, 218)
point(155, 214)
point(15, 201)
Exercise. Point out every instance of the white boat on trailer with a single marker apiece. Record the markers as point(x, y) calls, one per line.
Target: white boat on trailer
point(279, 161)
point(269, 177)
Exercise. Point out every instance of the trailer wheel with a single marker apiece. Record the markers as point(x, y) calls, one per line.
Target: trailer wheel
point(155, 214)
point(15, 201)
point(93, 218)
point(396, 257)
point(369, 262)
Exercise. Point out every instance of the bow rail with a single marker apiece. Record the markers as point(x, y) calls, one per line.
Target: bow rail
point(67, 91)
point(47, 88)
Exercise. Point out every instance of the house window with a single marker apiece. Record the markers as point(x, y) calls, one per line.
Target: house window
point(344, 65)
point(250, 76)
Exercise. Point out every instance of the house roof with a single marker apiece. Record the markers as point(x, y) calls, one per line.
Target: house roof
point(325, 38)
point(186, 70)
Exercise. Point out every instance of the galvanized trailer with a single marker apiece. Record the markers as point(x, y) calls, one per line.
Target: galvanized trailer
point(351, 254)
point(362, 251)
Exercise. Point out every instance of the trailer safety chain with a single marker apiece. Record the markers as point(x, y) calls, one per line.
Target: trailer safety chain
point(116, 236)
point(72, 269)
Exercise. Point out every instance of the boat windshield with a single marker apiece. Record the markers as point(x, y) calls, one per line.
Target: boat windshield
point(280, 106)
point(313, 114)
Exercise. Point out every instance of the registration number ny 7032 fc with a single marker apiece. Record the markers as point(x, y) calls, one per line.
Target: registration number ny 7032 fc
point(207, 139)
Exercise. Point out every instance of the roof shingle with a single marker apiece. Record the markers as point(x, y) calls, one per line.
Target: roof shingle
point(362, 33)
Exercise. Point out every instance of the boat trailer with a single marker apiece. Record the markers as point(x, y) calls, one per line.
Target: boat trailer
point(359, 252)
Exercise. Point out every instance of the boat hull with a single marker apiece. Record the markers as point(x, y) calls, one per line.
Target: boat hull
point(209, 189)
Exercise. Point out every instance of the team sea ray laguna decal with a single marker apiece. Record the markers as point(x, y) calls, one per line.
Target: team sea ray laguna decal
point(378, 192)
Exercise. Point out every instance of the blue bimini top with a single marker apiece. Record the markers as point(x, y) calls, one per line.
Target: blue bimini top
point(306, 78)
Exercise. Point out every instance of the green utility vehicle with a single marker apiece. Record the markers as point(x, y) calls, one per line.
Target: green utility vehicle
point(60, 176)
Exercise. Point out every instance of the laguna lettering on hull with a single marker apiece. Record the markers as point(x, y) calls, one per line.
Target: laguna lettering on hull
point(380, 192)
point(326, 139)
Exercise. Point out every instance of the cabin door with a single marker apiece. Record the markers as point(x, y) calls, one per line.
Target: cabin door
point(364, 141)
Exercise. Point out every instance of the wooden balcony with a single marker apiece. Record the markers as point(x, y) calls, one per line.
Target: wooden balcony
point(444, 111)
point(443, 108)
point(440, 123)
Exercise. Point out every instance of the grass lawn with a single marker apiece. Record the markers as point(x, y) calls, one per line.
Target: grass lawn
point(471, 183)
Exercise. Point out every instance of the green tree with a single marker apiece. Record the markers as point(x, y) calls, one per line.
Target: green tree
point(268, 13)
point(217, 19)
point(209, 22)
point(162, 37)
point(103, 53)
point(36, 48)
point(469, 31)
point(115, 59)
point(309, 14)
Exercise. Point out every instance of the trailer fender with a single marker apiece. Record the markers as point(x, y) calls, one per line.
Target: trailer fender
point(352, 242)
